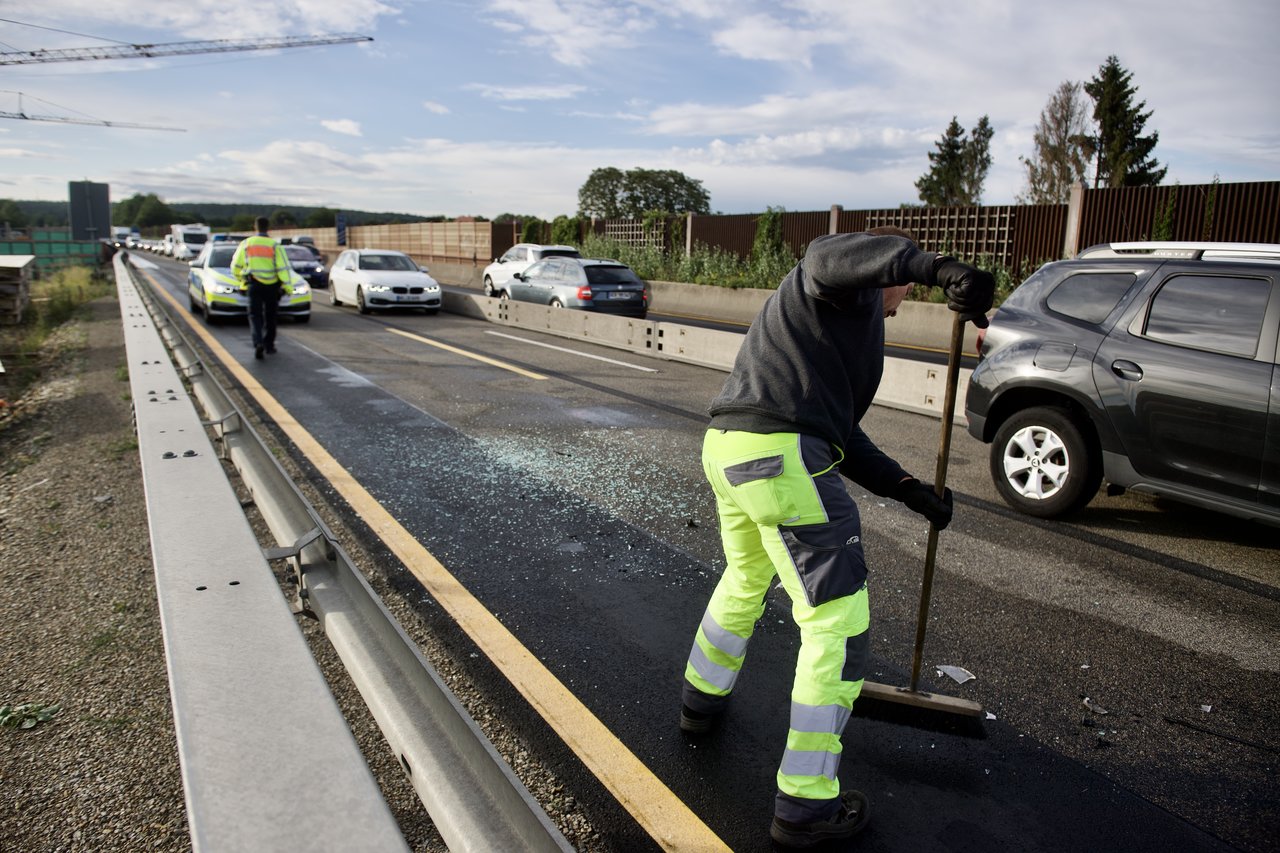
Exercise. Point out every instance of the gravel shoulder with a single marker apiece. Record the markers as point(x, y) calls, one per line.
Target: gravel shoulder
point(80, 628)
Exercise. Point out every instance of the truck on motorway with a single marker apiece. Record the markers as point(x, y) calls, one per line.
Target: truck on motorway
point(188, 240)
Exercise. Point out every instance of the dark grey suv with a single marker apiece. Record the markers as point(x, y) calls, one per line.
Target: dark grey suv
point(1150, 365)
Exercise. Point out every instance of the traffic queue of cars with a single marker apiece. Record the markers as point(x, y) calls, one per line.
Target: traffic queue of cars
point(1152, 367)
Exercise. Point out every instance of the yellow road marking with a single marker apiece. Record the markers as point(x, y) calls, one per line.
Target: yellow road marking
point(466, 354)
point(653, 805)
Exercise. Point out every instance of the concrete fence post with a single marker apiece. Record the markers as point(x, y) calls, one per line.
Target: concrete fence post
point(1075, 209)
point(833, 225)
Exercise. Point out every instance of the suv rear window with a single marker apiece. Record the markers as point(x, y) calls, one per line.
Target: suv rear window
point(1210, 312)
point(560, 253)
point(1090, 296)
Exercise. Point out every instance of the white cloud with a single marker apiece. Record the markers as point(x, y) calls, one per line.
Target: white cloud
point(345, 126)
point(25, 153)
point(527, 93)
point(576, 33)
point(434, 107)
point(199, 19)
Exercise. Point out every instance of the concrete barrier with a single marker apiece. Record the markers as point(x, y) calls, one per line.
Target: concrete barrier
point(909, 385)
point(923, 325)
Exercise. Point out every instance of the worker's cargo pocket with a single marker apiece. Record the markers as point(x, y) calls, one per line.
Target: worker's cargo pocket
point(759, 489)
point(828, 558)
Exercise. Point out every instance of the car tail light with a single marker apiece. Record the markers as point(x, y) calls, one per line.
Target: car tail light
point(982, 336)
point(584, 292)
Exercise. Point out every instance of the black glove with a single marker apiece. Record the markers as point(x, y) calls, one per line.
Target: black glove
point(970, 291)
point(922, 498)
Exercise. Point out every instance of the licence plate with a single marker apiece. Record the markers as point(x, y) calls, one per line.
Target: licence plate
point(622, 294)
point(407, 297)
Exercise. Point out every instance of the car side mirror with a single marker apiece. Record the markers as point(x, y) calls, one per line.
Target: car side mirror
point(191, 263)
point(519, 275)
point(424, 269)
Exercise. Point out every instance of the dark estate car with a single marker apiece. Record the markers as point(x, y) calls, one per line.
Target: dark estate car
point(590, 284)
point(1150, 365)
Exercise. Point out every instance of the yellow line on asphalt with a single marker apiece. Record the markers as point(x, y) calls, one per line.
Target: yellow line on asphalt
point(661, 813)
point(465, 354)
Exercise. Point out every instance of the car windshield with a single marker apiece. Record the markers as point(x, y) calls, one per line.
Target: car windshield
point(387, 262)
point(194, 237)
point(598, 274)
point(299, 253)
point(220, 256)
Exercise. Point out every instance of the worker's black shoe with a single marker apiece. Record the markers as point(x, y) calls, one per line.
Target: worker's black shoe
point(257, 352)
point(271, 350)
point(848, 821)
point(696, 722)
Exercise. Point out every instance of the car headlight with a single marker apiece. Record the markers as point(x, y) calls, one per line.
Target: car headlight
point(379, 288)
point(301, 289)
point(319, 267)
point(432, 288)
point(224, 289)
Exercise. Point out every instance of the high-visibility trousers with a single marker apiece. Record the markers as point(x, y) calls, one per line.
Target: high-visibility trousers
point(784, 511)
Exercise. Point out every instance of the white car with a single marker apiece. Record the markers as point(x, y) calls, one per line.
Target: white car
point(376, 279)
point(519, 258)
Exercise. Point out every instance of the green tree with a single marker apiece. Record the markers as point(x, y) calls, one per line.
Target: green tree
point(1062, 147)
point(531, 230)
point(283, 218)
point(566, 230)
point(601, 194)
point(12, 215)
point(1123, 153)
point(153, 212)
point(321, 217)
point(243, 222)
point(142, 211)
point(125, 212)
point(958, 168)
point(611, 193)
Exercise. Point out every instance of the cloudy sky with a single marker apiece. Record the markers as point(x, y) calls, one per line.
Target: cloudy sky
point(488, 106)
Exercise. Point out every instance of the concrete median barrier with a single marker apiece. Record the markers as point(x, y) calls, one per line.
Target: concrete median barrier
point(907, 384)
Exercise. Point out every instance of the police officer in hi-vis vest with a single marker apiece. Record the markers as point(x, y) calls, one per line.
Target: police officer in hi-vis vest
point(265, 269)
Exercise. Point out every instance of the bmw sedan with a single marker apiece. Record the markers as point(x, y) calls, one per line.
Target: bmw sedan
point(376, 279)
point(214, 292)
point(590, 284)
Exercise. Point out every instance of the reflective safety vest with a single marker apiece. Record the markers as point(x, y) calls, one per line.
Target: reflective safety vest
point(263, 258)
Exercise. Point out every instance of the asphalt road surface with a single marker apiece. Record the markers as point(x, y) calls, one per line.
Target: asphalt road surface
point(560, 482)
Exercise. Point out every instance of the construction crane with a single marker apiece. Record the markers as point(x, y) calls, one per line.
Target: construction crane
point(23, 114)
point(135, 51)
point(178, 48)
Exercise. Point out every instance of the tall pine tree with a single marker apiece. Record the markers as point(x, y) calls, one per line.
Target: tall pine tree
point(959, 167)
point(1123, 153)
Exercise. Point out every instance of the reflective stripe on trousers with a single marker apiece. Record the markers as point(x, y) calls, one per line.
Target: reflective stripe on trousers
point(785, 512)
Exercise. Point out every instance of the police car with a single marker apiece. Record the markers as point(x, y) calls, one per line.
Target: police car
point(214, 292)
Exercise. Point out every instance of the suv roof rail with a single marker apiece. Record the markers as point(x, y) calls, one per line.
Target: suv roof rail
point(1190, 250)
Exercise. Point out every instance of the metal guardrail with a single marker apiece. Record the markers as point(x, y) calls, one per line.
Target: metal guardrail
point(255, 776)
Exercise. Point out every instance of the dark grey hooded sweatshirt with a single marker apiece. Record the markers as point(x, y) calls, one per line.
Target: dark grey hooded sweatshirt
point(812, 359)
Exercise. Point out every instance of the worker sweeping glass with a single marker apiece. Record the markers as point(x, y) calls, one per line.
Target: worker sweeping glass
point(261, 263)
point(783, 430)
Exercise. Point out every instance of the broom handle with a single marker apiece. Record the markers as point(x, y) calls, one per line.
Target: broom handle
point(939, 485)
